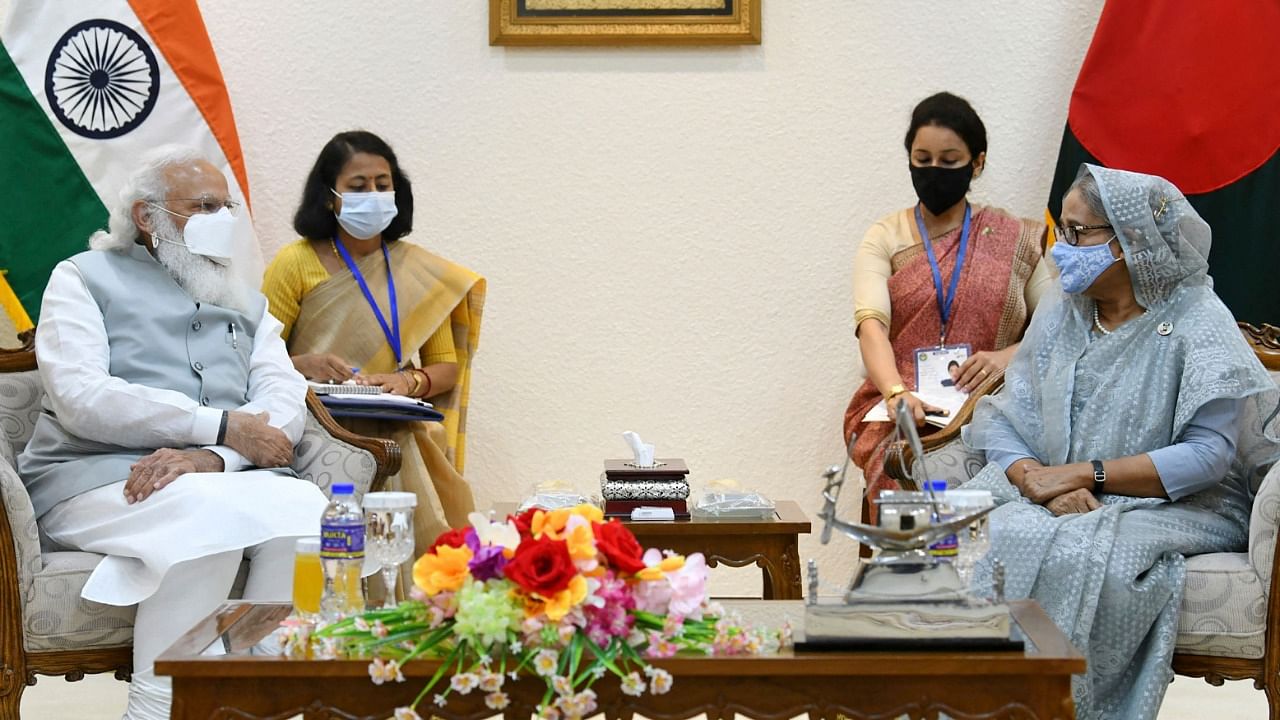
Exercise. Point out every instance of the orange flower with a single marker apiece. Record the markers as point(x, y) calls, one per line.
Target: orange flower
point(581, 540)
point(668, 564)
point(553, 523)
point(559, 605)
point(443, 570)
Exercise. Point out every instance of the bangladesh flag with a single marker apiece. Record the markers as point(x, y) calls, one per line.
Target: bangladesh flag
point(1191, 92)
point(86, 88)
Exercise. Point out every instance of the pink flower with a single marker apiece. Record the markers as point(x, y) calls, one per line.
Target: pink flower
point(689, 587)
point(610, 619)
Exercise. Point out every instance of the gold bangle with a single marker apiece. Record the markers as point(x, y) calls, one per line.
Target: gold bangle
point(412, 390)
point(895, 391)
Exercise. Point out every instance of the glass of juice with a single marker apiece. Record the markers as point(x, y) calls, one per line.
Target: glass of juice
point(308, 578)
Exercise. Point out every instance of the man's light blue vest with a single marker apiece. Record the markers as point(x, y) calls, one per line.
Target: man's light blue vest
point(158, 337)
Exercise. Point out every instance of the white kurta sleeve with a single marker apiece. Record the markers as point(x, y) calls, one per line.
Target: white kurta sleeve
point(74, 357)
point(274, 385)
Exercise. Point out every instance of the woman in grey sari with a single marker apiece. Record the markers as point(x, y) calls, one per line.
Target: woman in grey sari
point(1129, 434)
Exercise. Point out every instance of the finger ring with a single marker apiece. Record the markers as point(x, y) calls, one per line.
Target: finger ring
point(983, 371)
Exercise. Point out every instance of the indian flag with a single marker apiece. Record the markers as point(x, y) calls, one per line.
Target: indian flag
point(85, 89)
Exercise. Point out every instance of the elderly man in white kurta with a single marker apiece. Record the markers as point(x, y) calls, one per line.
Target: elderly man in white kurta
point(170, 416)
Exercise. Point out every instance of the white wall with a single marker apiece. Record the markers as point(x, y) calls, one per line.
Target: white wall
point(667, 233)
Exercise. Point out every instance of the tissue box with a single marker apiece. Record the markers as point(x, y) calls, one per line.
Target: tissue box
point(643, 489)
point(662, 469)
point(666, 479)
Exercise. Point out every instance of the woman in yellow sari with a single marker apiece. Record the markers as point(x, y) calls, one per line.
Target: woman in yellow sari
point(358, 302)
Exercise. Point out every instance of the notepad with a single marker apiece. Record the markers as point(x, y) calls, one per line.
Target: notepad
point(346, 388)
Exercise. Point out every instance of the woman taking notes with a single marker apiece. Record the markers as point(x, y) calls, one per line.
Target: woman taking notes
point(358, 300)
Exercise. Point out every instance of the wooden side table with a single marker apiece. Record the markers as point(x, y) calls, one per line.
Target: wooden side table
point(772, 544)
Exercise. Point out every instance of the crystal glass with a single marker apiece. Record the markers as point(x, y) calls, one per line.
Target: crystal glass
point(308, 577)
point(975, 539)
point(388, 537)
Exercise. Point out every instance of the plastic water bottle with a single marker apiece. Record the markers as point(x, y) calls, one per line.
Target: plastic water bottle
point(342, 554)
point(944, 548)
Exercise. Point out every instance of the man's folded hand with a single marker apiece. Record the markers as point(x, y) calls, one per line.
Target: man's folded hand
point(155, 471)
point(265, 446)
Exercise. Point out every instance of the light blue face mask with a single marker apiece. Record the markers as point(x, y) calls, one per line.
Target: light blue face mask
point(1079, 267)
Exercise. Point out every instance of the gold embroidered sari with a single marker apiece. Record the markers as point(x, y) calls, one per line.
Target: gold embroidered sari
point(335, 318)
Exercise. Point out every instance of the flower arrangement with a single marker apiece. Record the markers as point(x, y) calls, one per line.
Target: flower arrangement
point(562, 594)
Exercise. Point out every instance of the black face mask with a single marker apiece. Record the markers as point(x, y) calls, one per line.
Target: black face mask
point(940, 188)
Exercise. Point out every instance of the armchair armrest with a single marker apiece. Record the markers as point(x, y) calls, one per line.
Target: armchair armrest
point(1264, 520)
point(327, 448)
point(1265, 342)
point(20, 559)
point(899, 457)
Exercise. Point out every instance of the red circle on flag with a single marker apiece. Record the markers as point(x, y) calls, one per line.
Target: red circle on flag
point(1186, 92)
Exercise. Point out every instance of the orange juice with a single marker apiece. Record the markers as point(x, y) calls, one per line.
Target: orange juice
point(308, 582)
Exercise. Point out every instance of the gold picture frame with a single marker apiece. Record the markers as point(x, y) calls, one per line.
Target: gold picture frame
point(624, 22)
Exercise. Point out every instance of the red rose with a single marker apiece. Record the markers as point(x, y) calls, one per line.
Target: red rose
point(524, 522)
point(619, 547)
point(452, 538)
point(541, 566)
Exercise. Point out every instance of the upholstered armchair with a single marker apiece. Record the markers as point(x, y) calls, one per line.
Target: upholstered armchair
point(45, 626)
point(1229, 626)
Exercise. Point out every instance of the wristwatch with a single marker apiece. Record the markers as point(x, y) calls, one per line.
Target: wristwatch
point(895, 391)
point(1099, 477)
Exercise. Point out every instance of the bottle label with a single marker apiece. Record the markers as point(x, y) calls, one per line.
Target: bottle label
point(341, 541)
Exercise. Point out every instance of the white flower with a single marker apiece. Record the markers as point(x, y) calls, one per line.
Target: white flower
point(562, 685)
point(496, 700)
point(439, 700)
point(659, 682)
point(464, 683)
point(406, 713)
point(633, 684)
point(513, 674)
point(361, 624)
point(587, 701)
point(516, 647)
point(499, 534)
point(381, 671)
point(546, 661)
point(491, 681)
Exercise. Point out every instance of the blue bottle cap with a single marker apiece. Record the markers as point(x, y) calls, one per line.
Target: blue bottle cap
point(936, 485)
point(344, 489)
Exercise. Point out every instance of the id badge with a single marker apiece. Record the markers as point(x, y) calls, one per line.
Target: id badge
point(938, 368)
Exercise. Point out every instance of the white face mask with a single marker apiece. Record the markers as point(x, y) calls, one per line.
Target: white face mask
point(210, 235)
point(366, 214)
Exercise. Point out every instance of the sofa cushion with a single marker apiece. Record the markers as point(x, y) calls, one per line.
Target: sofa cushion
point(1224, 611)
point(324, 460)
point(57, 618)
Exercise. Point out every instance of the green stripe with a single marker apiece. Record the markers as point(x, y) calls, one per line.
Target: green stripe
point(1245, 219)
point(48, 209)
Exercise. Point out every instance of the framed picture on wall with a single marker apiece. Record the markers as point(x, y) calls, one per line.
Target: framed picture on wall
point(624, 22)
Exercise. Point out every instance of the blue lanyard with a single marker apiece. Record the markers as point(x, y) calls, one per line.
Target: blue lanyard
point(945, 301)
point(392, 333)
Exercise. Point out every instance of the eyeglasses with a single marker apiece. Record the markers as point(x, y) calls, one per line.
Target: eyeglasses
point(1070, 234)
point(200, 206)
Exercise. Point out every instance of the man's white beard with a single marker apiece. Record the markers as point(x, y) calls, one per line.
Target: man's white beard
point(203, 279)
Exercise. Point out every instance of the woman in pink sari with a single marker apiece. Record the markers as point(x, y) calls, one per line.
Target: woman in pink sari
point(941, 274)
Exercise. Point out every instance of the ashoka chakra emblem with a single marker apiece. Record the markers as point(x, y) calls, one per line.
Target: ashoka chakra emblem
point(102, 79)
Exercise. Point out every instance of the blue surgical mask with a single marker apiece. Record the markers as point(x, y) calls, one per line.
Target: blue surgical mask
point(366, 214)
point(1079, 267)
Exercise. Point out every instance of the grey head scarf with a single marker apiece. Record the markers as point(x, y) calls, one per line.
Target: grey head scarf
point(1072, 396)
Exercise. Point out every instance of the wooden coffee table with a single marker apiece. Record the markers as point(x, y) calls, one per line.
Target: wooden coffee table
point(773, 544)
point(1031, 683)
